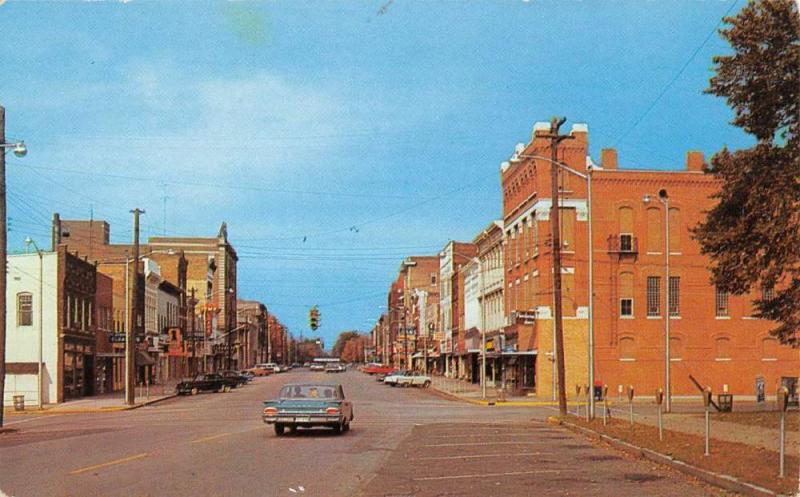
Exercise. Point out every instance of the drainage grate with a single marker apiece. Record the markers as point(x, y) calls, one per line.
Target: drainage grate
point(641, 477)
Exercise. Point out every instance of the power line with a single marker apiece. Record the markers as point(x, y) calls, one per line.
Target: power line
point(677, 75)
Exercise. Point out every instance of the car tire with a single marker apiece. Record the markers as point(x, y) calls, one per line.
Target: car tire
point(427, 384)
point(279, 428)
point(194, 391)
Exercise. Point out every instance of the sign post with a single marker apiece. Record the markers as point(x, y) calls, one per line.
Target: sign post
point(707, 404)
point(630, 402)
point(588, 393)
point(578, 400)
point(659, 402)
point(783, 404)
point(605, 405)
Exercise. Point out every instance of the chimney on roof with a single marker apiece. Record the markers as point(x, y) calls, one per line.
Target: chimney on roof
point(695, 160)
point(580, 131)
point(608, 158)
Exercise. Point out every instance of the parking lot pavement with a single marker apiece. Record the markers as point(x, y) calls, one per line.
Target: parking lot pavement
point(483, 460)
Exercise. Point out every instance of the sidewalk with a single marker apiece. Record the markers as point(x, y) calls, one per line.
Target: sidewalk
point(687, 416)
point(102, 403)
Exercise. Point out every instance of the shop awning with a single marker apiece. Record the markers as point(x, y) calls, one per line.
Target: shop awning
point(512, 353)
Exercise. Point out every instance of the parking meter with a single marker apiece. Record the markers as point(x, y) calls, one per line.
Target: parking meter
point(660, 401)
point(630, 403)
point(605, 392)
point(783, 399)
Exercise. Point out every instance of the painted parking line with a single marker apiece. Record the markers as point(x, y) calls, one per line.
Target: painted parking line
point(488, 475)
point(482, 443)
point(488, 434)
point(209, 438)
point(478, 456)
point(110, 463)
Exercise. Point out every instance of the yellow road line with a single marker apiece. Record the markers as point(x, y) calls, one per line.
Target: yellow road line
point(212, 437)
point(109, 463)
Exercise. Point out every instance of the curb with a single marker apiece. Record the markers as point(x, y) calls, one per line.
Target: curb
point(93, 410)
point(720, 480)
point(496, 403)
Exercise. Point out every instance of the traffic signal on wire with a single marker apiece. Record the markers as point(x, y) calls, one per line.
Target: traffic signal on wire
point(313, 318)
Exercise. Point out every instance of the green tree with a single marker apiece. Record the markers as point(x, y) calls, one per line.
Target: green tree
point(753, 233)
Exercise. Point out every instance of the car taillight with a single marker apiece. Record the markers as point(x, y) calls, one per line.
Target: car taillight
point(270, 411)
point(332, 410)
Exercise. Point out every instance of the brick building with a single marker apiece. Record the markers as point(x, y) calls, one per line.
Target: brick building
point(452, 259)
point(713, 336)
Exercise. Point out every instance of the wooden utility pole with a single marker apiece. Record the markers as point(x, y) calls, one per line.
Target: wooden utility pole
point(3, 257)
point(555, 229)
point(133, 323)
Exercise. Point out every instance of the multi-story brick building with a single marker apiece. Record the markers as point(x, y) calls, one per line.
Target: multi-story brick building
point(500, 353)
point(713, 336)
point(418, 273)
point(452, 259)
point(252, 338)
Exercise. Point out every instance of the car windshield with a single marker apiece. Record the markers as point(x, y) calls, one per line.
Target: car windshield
point(309, 392)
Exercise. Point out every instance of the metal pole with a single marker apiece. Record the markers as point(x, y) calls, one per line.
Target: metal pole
point(483, 331)
point(4, 258)
point(660, 424)
point(128, 359)
point(41, 329)
point(783, 442)
point(667, 388)
point(591, 407)
point(708, 427)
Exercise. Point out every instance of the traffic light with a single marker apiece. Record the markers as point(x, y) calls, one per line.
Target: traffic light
point(313, 318)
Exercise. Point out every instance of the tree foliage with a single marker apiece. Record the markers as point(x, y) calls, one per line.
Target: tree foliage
point(753, 233)
point(341, 340)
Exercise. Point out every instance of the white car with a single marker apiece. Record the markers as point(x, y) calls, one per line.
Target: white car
point(407, 379)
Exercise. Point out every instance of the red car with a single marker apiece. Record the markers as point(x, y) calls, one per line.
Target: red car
point(378, 369)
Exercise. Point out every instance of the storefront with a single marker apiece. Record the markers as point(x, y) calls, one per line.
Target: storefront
point(78, 373)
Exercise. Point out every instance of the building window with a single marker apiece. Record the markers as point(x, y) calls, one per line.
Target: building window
point(625, 242)
point(674, 295)
point(653, 296)
point(722, 348)
point(24, 309)
point(722, 303)
point(626, 307)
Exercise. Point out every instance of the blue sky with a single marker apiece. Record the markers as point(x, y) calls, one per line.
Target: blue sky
point(371, 129)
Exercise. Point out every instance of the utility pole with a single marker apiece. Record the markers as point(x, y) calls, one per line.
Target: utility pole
point(192, 304)
point(555, 229)
point(4, 258)
point(130, 341)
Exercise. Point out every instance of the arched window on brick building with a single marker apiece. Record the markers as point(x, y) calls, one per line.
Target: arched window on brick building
point(627, 349)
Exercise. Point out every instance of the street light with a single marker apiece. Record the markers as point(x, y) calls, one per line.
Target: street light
point(29, 241)
point(517, 157)
point(19, 150)
point(663, 197)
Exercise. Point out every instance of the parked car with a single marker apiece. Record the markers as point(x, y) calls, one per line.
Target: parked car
point(260, 370)
point(317, 367)
point(335, 367)
point(309, 405)
point(210, 382)
point(378, 369)
point(391, 378)
point(382, 376)
point(248, 376)
point(413, 379)
point(233, 378)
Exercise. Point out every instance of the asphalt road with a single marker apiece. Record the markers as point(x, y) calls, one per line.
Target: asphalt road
point(403, 442)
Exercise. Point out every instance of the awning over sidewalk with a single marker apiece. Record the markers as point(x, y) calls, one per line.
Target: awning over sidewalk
point(512, 353)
